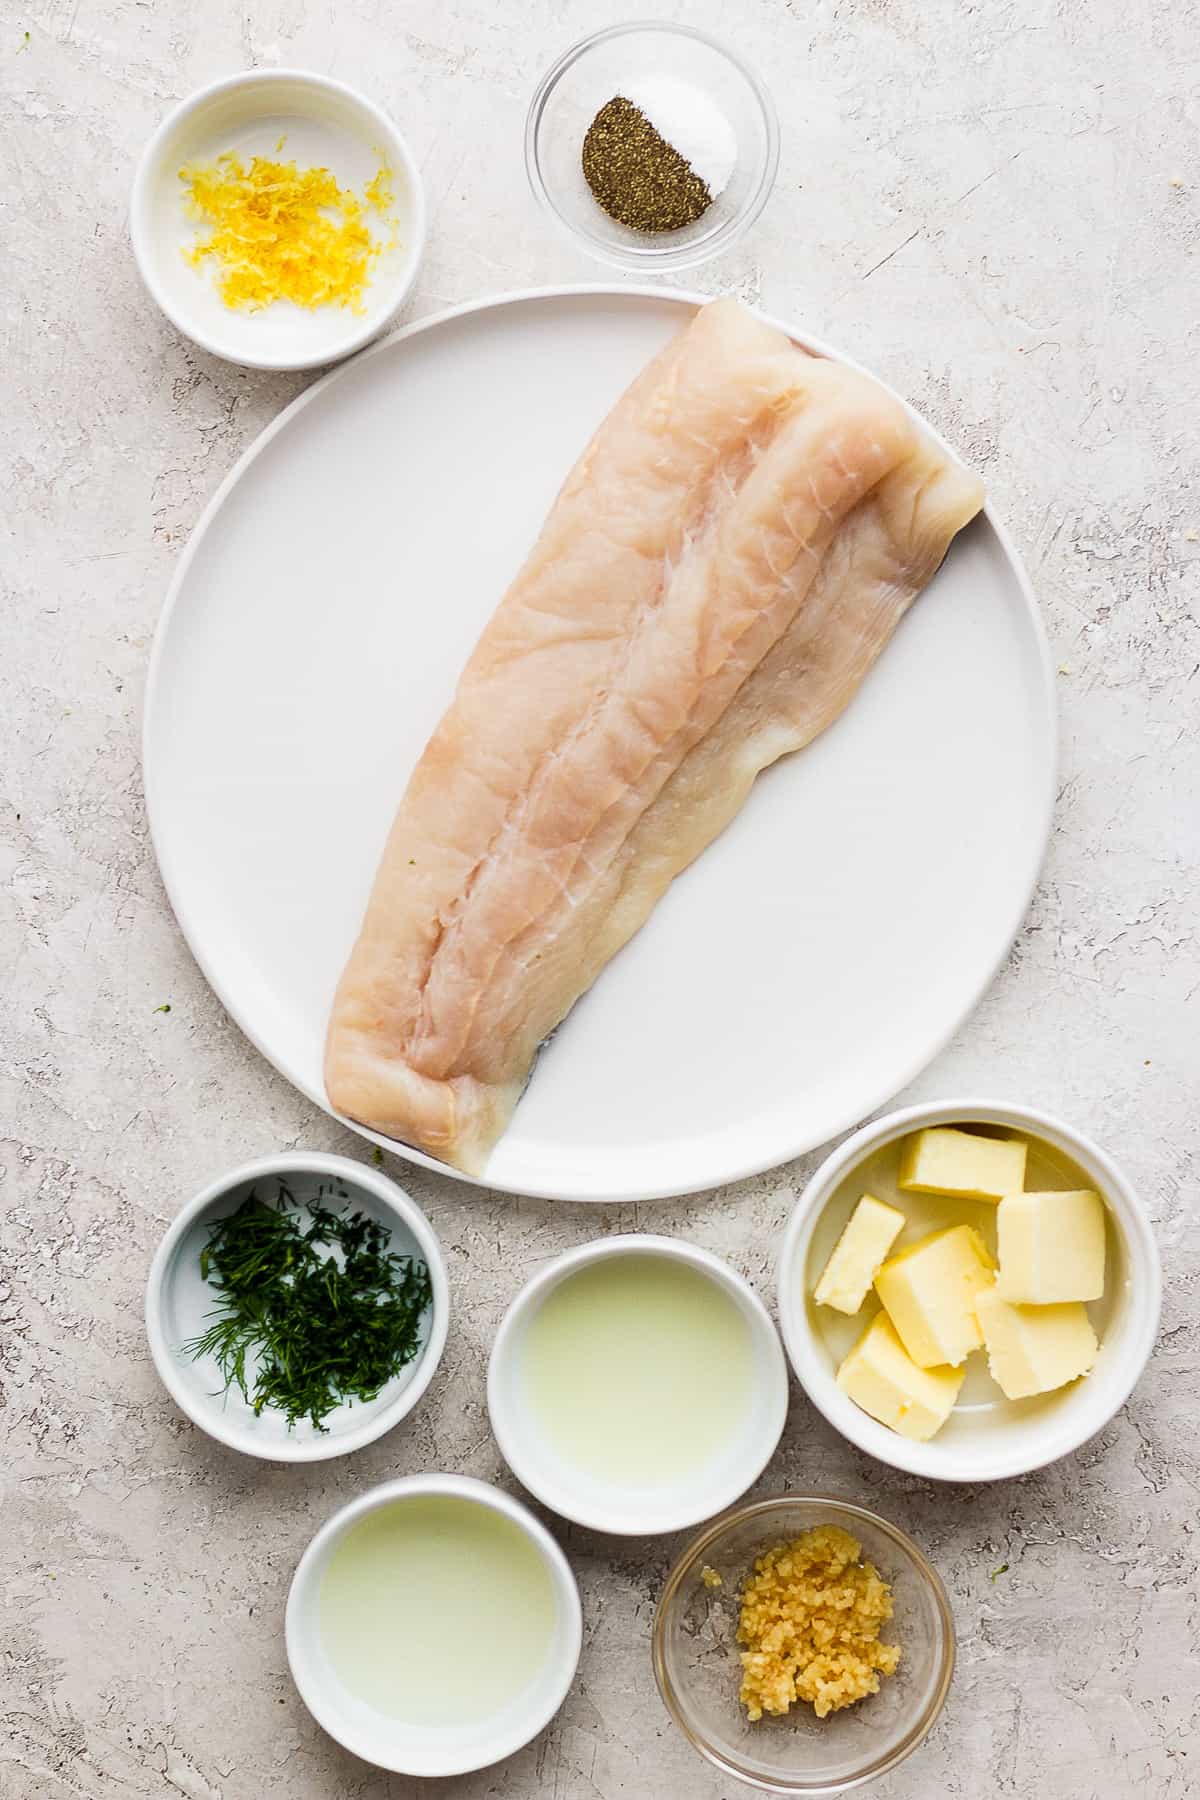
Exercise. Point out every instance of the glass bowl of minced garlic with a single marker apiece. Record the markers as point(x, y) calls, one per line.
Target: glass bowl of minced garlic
point(652, 146)
point(803, 1645)
point(968, 1289)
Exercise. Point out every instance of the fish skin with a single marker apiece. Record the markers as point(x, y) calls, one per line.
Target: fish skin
point(720, 570)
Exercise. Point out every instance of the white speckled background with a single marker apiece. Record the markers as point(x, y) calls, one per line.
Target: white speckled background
point(996, 206)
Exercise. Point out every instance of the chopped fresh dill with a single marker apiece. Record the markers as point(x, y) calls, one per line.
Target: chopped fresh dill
point(308, 1316)
point(1002, 1570)
point(165, 1007)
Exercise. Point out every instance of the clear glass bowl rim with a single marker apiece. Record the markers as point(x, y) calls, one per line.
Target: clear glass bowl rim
point(849, 1512)
point(665, 256)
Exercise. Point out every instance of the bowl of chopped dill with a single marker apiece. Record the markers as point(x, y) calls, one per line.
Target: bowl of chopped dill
point(297, 1308)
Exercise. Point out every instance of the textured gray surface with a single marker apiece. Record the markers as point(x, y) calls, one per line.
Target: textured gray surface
point(994, 205)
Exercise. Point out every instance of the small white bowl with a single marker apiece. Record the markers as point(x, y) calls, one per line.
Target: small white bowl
point(392, 1743)
point(322, 123)
point(179, 1304)
point(985, 1438)
point(652, 1509)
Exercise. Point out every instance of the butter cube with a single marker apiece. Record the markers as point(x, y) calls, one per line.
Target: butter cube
point(943, 1160)
point(1051, 1247)
point(869, 1235)
point(929, 1291)
point(880, 1376)
point(1032, 1349)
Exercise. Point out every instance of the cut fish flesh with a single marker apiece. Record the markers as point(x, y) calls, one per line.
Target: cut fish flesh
point(722, 567)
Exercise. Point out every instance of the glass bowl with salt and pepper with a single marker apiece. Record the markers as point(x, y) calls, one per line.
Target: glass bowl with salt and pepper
point(652, 146)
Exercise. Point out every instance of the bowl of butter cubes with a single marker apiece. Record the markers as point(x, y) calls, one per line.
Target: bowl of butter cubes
point(968, 1289)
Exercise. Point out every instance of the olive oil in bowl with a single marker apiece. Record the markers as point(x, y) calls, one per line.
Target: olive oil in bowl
point(433, 1625)
point(637, 1369)
point(421, 1592)
point(637, 1385)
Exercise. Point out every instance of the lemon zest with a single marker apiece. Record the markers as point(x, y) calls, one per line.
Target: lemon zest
point(277, 232)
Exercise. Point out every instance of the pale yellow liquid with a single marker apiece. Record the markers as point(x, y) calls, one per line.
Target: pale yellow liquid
point(638, 1370)
point(436, 1611)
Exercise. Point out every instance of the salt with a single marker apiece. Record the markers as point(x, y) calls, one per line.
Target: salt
point(691, 124)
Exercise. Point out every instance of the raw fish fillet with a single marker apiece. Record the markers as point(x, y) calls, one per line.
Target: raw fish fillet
point(722, 567)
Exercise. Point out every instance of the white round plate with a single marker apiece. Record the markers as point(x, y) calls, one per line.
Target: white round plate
point(799, 974)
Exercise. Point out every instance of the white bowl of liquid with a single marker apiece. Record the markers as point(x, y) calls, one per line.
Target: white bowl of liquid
point(433, 1626)
point(637, 1385)
point(987, 1437)
point(288, 115)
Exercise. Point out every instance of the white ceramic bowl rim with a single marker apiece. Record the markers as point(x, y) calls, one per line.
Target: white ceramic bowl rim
point(363, 330)
point(616, 1519)
point(1079, 1420)
point(463, 1487)
point(334, 1443)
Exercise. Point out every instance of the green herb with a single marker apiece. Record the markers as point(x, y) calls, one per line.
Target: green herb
point(165, 1007)
point(1002, 1570)
point(311, 1315)
point(23, 45)
point(636, 175)
point(377, 1157)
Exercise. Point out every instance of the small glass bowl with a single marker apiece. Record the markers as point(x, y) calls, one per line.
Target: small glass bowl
point(698, 1671)
point(589, 75)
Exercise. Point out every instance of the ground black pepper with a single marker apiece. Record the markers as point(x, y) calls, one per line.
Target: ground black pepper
point(636, 175)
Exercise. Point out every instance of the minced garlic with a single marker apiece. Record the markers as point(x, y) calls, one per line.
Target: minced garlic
point(278, 232)
point(810, 1619)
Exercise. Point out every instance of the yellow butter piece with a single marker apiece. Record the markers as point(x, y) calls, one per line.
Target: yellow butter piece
point(1032, 1349)
point(880, 1376)
point(943, 1160)
point(1051, 1247)
point(869, 1235)
point(929, 1291)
